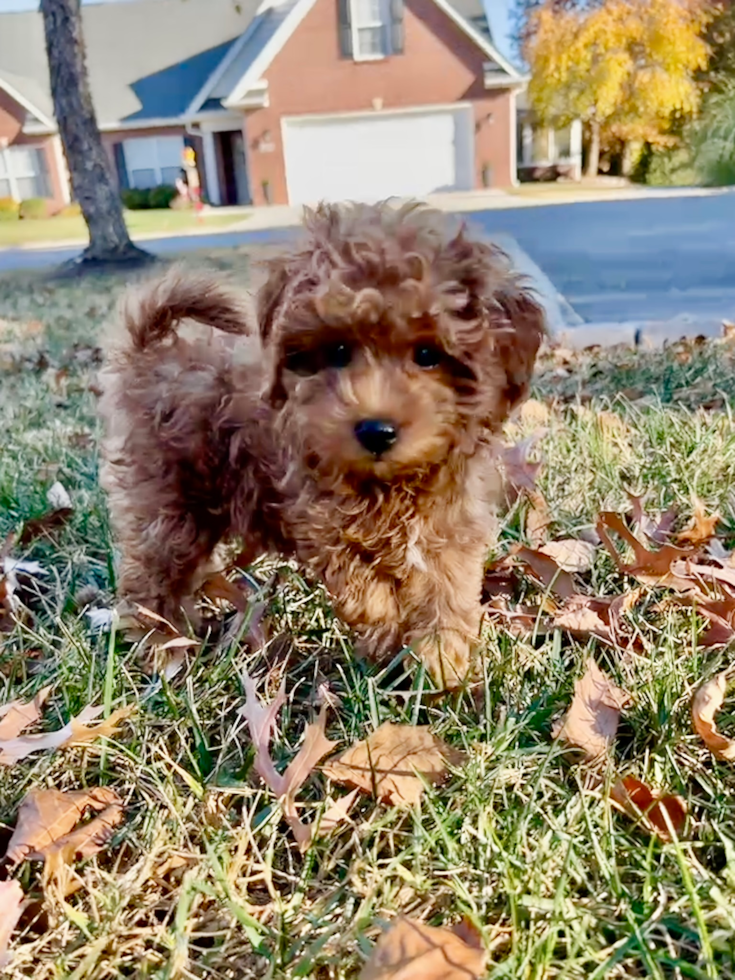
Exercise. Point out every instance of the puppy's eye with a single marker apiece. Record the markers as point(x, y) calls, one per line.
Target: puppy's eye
point(303, 362)
point(338, 355)
point(427, 356)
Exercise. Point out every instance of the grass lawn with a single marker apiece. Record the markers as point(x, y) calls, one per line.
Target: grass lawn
point(203, 878)
point(165, 221)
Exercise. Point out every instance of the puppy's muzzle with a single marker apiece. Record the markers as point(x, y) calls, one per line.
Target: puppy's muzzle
point(376, 435)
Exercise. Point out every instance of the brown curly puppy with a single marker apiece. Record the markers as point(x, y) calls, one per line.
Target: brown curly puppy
point(357, 437)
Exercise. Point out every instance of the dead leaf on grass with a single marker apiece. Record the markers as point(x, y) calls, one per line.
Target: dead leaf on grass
point(538, 519)
point(591, 722)
point(546, 570)
point(76, 732)
point(16, 716)
point(261, 721)
point(707, 702)
point(411, 950)
point(657, 568)
point(658, 812)
point(520, 472)
point(394, 762)
point(599, 616)
point(655, 527)
point(47, 818)
point(570, 554)
point(11, 907)
point(61, 510)
point(701, 527)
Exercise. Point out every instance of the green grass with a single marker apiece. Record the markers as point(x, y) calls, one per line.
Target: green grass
point(164, 221)
point(519, 840)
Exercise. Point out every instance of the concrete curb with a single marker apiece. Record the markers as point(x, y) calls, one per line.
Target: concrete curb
point(560, 316)
point(645, 334)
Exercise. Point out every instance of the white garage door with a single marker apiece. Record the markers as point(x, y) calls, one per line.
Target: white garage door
point(371, 157)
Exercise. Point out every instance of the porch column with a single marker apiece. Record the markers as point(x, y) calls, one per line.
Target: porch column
point(210, 168)
point(575, 147)
point(527, 144)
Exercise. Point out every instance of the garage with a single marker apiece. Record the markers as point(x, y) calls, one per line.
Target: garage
point(371, 156)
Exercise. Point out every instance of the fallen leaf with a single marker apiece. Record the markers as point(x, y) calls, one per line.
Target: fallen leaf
point(500, 579)
point(611, 424)
point(393, 763)
point(538, 519)
point(656, 811)
point(600, 616)
point(11, 906)
point(51, 521)
point(76, 732)
point(17, 716)
point(649, 567)
point(337, 812)
point(58, 498)
point(707, 702)
point(47, 816)
point(534, 412)
point(655, 527)
point(411, 950)
point(82, 842)
point(592, 720)
point(261, 721)
point(701, 527)
point(546, 570)
point(520, 472)
point(570, 554)
point(316, 746)
point(521, 619)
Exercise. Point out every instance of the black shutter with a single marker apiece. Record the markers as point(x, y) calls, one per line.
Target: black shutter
point(121, 169)
point(396, 26)
point(345, 28)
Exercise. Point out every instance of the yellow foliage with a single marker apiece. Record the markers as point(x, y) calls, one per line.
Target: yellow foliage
point(627, 65)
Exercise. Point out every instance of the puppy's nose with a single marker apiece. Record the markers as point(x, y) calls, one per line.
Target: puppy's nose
point(376, 435)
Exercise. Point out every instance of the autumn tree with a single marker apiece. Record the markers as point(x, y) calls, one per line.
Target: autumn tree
point(626, 68)
point(89, 169)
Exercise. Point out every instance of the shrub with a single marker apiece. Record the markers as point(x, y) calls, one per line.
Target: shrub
point(9, 209)
point(72, 210)
point(135, 199)
point(35, 208)
point(162, 196)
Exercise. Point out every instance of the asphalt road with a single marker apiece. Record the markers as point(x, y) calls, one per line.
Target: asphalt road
point(653, 258)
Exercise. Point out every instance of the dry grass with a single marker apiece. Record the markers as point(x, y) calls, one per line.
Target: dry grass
point(203, 879)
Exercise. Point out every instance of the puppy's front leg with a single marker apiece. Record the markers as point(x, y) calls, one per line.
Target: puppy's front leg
point(366, 601)
point(441, 604)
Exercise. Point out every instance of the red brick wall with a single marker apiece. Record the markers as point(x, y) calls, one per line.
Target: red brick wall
point(440, 65)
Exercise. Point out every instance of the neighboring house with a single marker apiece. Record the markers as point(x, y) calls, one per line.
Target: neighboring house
point(291, 101)
point(545, 153)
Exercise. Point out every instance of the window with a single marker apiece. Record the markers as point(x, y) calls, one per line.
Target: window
point(370, 29)
point(153, 160)
point(23, 173)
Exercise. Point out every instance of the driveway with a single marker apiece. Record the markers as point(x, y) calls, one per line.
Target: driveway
point(647, 259)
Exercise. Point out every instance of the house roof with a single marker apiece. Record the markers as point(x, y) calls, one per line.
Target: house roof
point(155, 60)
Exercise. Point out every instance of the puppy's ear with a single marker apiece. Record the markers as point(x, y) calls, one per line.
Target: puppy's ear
point(518, 346)
point(270, 297)
point(269, 301)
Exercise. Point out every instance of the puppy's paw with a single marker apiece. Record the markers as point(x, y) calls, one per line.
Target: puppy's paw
point(449, 656)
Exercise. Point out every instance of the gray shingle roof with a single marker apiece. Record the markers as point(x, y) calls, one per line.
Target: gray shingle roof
point(147, 59)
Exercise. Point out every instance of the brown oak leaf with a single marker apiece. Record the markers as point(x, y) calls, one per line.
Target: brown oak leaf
point(707, 702)
point(591, 722)
point(411, 950)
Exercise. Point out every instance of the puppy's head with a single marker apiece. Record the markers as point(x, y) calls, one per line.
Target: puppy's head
point(394, 340)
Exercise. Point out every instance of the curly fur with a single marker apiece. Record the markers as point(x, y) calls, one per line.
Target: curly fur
point(211, 437)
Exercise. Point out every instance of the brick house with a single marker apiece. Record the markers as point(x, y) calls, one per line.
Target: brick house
point(285, 101)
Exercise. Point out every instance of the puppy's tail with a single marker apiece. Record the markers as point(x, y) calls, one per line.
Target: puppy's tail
point(152, 312)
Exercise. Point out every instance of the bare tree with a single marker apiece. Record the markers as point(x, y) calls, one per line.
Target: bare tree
point(89, 169)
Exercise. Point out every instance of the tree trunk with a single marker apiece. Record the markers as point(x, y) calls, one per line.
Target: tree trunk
point(593, 158)
point(89, 169)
